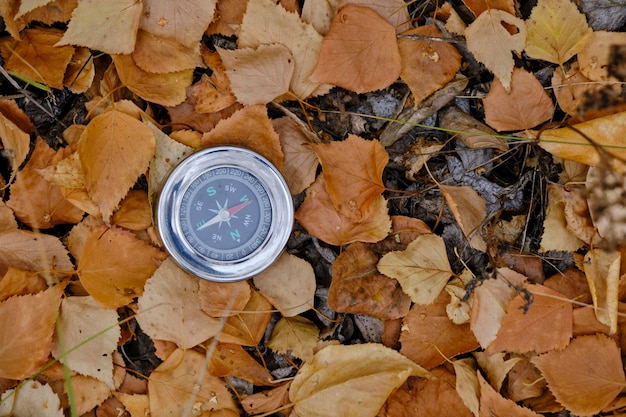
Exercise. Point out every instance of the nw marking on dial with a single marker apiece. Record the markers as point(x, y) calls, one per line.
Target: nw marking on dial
point(223, 214)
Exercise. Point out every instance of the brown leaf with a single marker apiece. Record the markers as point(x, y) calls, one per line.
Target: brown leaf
point(114, 265)
point(493, 404)
point(233, 360)
point(18, 282)
point(15, 130)
point(248, 327)
point(320, 218)
point(268, 401)
point(358, 288)
point(109, 26)
point(114, 149)
point(470, 131)
point(34, 200)
point(429, 336)
point(523, 107)
point(235, 131)
point(32, 251)
point(393, 11)
point(359, 52)
point(26, 329)
point(353, 171)
point(585, 376)
point(545, 325)
point(80, 71)
point(168, 89)
point(37, 57)
point(212, 93)
point(469, 210)
point(479, 6)
point(427, 66)
point(340, 376)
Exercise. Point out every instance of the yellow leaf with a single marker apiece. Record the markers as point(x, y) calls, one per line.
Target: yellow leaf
point(359, 52)
point(66, 173)
point(295, 335)
point(258, 76)
point(169, 308)
point(557, 31)
point(492, 44)
point(422, 269)
point(81, 319)
point(602, 269)
point(114, 149)
point(107, 26)
point(340, 376)
point(289, 284)
point(33, 399)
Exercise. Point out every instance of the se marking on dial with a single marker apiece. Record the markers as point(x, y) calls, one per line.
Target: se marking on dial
point(226, 214)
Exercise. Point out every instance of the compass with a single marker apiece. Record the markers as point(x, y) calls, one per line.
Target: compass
point(224, 213)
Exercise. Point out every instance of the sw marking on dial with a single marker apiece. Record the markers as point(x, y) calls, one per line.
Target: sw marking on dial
point(226, 214)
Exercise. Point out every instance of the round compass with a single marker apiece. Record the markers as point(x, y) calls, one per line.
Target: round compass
point(224, 214)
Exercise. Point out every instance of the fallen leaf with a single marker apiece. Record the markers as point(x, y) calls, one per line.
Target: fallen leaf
point(230, 360)
point(301, 161)
point(167, 89)
point(422, 269)
point(594, 57)
point(569, 88)
point(235, 131)
point(32, 251)
point(80, 72)
point(33, 399)
point(395, 12)
point(524, 381)
point(7, 219)
point(159, 55)
point(135, 212)
point(602, 269)
point(296, 336)
point(18, 282)
point(492, 44)
point(169, 308)
point(494, 404)
point(467, 384)
point(353, 171)
point(258, 76)
point(479, 6)
point(220, 299)
point(470, 212)
point(114, 265)
point(318, 216)
point(30, 5)
point(557, 31)
point(525, 106)
point(545, 324)
point(267, 401)
point(359, 52)
point(340, 376)
point(289, 284)
point(319, 13)
point(37, 57)
point(266, 22)
point(178, 379)
point(427, 66)
point(556, 234)
point(212, 93)
point(26, 329)
point(110, 27)
point(490, 301)
point(14, 134)
point(248, 326)
point(66, 173)
point(91, 333)
point(88, 393)
point(358, 288)
point(470, 131)
point(429, 337)
point(114, 149)
point(135, 404)
point(585, 376)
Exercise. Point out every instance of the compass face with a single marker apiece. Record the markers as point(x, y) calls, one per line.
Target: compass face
point(224, 214)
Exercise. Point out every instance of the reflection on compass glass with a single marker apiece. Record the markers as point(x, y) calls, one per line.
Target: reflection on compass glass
point(226, 214)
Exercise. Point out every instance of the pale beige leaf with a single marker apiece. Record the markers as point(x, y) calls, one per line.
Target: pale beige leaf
point(469, 210)
point(258, 76)
point(422, 269)
point(556, 234)
point(67, 173)
point(33, 399)
point(29, 5)
point(289, 284)
point(319, 13)
point(32, 251)
point(492, 44)
point(470, 131)
point(602, 269)
point(295, 335)
point(108, 26)
point(169, 308)
point(467, 384)
point(495, 366)
point(82, 320)
point(88, 393)
point(7, 219)
point(340, 376)
point(266, 22)
point(557, 31)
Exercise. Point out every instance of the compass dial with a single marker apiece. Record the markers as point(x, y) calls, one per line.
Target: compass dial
point(224, 213)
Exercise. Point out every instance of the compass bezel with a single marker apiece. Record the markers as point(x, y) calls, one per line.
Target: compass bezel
point(168, 213)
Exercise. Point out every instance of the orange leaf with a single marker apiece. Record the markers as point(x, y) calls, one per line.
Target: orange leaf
point(219, 299)
point(479, 6)
point(160, 55)
point(585, 376)
point(357, 287)
point(353, 171)
point(37, 57)
point(135, 212)
point(427, 66)
point(359, 52)
point(233, 360)
point(429, 336)
point(525, 106)
point(320, 218)
point(114, 149)
point(15, 130)
point(114, 265)
point(26, 329)
point(494, 404)
point(469, 210)
point(18, 282)
point(34, 200)
point(545, 325)
point(248, 327)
